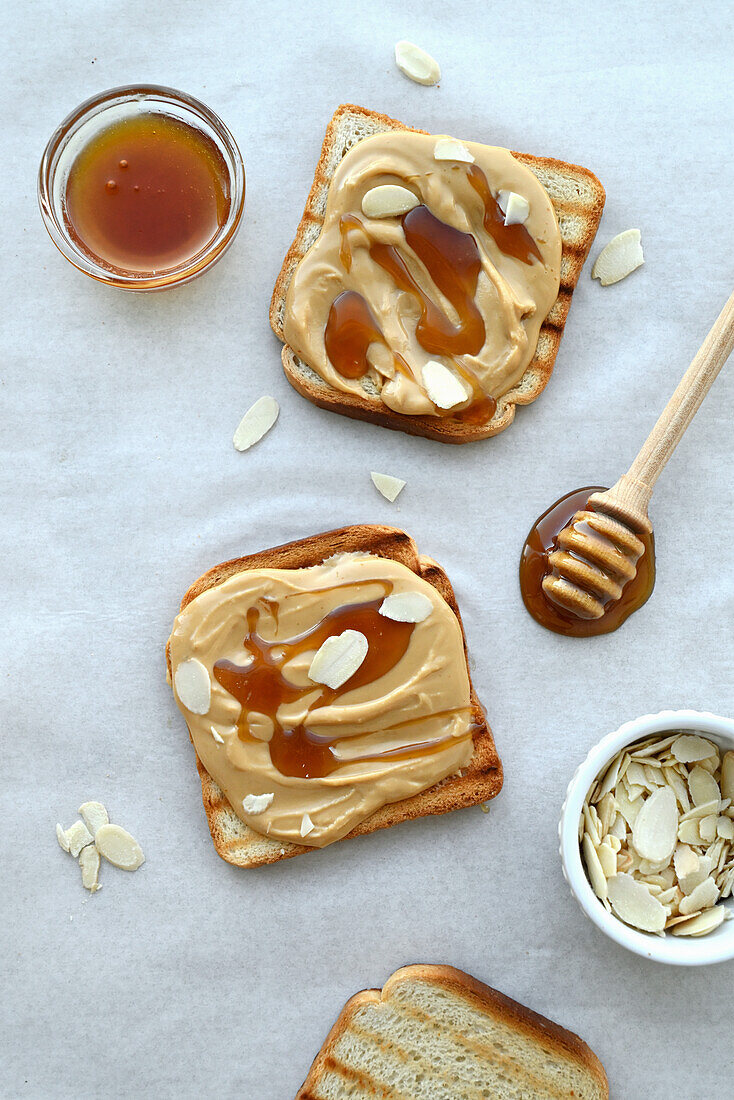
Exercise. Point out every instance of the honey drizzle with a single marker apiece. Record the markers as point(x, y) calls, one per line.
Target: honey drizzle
point(260, 686)
point(534, 566)
point(453, 262)
point(512, 240)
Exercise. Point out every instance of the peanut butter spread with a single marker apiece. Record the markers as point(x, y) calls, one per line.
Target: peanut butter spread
point(298, 760)
point(463, 277)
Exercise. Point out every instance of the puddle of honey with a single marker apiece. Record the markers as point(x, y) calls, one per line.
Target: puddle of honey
point(534, 566)
point(147, 194)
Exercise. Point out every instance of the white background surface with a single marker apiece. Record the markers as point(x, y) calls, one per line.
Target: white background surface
point(120, 486)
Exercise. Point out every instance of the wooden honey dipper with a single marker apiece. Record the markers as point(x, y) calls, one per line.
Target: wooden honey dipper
point(597, 553)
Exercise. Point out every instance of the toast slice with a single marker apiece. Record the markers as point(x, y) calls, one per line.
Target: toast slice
point(435, 1033)
point(478, 782)
point(578, 200)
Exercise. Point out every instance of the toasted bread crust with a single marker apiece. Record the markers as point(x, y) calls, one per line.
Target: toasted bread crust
point(575, 249)
point(480, 781)
point(473, 991)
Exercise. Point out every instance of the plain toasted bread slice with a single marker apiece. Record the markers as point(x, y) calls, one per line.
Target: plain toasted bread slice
point(578, 199)
point(479, 781)
point(435, 1033)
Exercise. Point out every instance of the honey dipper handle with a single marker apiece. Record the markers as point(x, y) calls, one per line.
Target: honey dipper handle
point(632, 492)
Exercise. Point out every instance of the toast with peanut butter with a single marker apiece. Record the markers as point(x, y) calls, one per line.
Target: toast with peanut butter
point(436, 1033)
point(291, 758)
point(429, 281)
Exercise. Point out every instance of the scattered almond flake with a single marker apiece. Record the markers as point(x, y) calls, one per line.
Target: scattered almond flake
point(62, 837)
point(193, 686)
point(610, 777)
point(257, 422)
point(593, 866)
point(307, 825)
point(444, 388)
point(634, 791)
point(256, 803)
point(217, 736)
point(702, 924)
point(707, 827)
point(653, 746)
point(619, 258)
point(78, 836)
point(338, 658)
point(607, 859)
point(635, 774)
point(515, 207)
point(416, 64)
point(390, 487)
point(89, 863)
point(619, 827)
point(119, 847)
point(93, 815)
point(448, 148)
point(725, 828)
point(406, 607)
point(668, 895)
point(628, 810)
point(655, 831)
point(652, 867)
point(634, 904)
point(689, 747)
point(388, 200)
point(484, 807)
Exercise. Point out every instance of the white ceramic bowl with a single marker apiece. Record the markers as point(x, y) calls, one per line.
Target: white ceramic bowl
point(681, 951)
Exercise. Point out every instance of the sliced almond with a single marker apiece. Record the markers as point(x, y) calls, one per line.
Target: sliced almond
point(416, 64)
point(619, 258)
point(448, 148)
point(93, 815)
point(673, 779)
point(689, 881)
point(725, 828)
point(707, 827)
point(256, 803)
point(444, 388)
point(78, 836)
point(633, 903)
point(689, 748)
point(89, 863)
point(688, 832)
point(607, 858)
point(389, 200)
point(597, 877)
point(727, 776)
point(338, 658)
point(390, 487)
point(515, 207)
point(702, 786)
point(698, 812)
point(685, 861)
point(406, 607)
point(217, 736)
point(257, 422)
point(193, 686)
point(704, 896)
point(307, 825)
point(119, 847)
point(702, 924)
point(62, 837)
point(655, 831)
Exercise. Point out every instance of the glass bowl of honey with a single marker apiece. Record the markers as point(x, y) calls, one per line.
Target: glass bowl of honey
point(142, 187)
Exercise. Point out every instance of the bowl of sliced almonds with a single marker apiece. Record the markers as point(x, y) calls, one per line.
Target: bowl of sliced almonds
point(647, 837)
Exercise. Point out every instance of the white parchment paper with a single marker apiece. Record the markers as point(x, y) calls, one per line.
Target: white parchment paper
point(120, 486)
